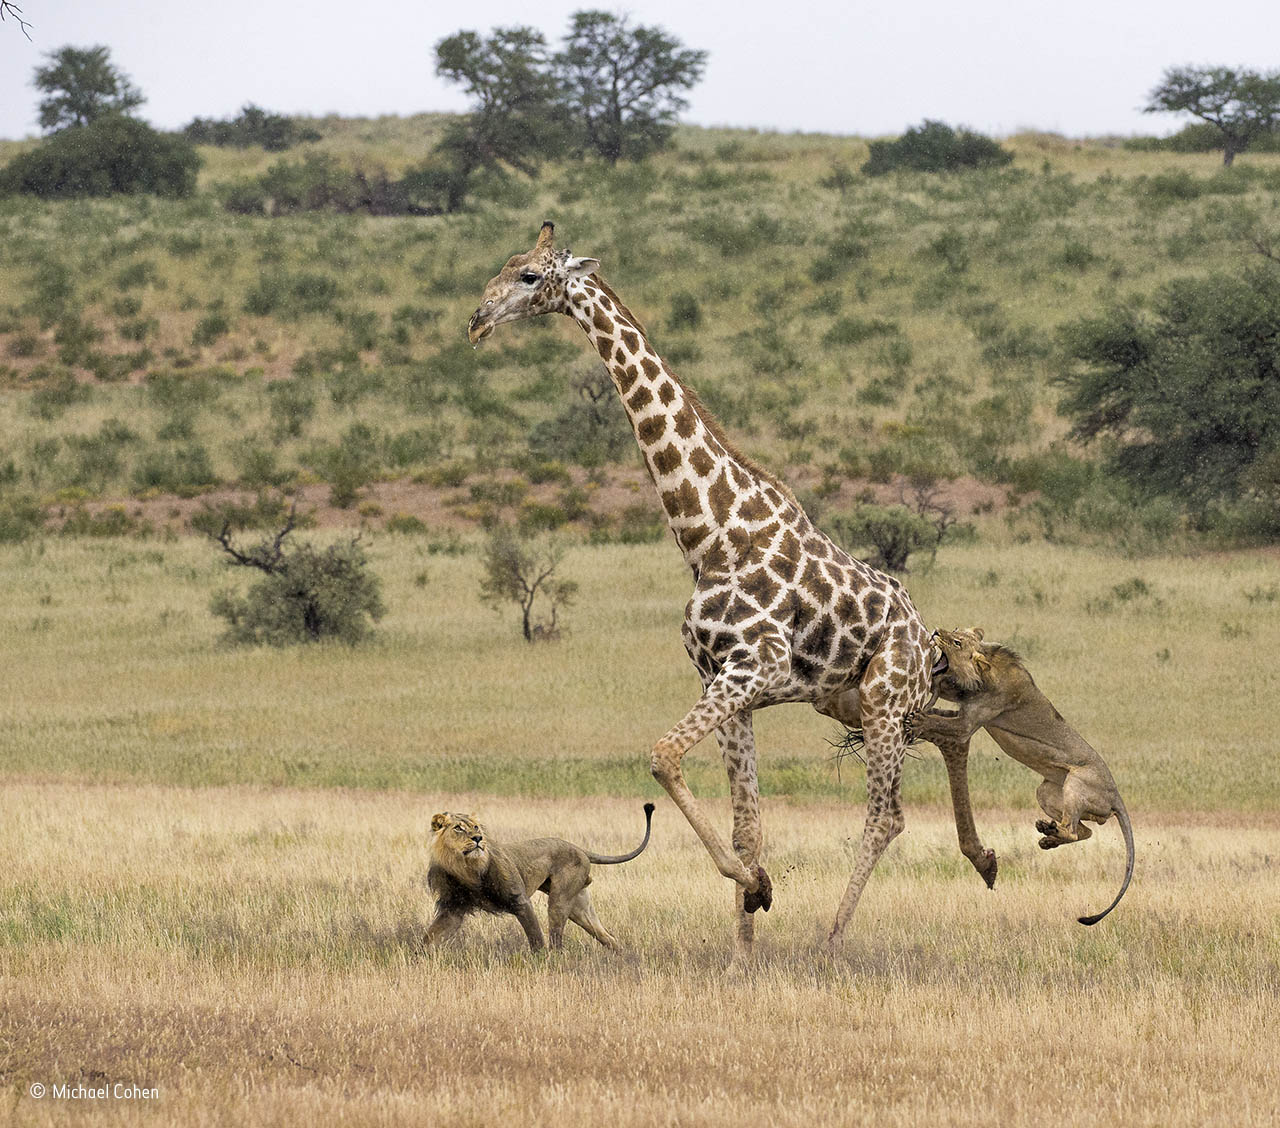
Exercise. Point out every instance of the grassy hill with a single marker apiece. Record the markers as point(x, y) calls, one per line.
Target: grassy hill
point(845, 329)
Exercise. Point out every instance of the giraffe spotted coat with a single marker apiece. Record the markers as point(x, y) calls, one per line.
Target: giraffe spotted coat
point(779, 613)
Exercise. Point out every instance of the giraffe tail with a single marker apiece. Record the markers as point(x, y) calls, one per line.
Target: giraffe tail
point(613, 860)
point(1127, 830)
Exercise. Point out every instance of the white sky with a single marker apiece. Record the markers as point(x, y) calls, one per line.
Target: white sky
point(1079, 67)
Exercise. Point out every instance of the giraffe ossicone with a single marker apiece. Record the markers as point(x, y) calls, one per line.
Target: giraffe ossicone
point(779, 612)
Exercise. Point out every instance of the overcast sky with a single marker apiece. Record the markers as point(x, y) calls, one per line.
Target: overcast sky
point(1079, 67)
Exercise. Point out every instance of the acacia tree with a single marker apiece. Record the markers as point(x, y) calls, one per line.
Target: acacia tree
point(1189, 398)
point(1241, 104)
point(81, 85)
point(515, 117)
point(624, 85)
point(523, 571)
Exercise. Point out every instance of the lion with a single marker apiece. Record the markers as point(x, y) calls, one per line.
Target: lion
point(995, 692)
point(469, 872)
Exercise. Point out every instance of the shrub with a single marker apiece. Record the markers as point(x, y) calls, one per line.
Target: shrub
point(686, 311)
point(185, 471)
point(292, 403)
point(60, 391)
point(306, 594)
point(288, 295)
point(209, 328)
point(935, 147)
point(21, 518)
point(252, 126)
point(114, 154)
point(893, 532)
point(521, 570)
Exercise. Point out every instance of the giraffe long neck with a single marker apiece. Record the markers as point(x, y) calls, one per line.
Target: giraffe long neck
point(713, 498)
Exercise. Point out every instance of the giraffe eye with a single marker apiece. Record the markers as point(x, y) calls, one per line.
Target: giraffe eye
point(529, 278)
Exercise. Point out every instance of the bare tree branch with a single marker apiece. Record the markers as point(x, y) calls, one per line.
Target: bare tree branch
point(9, 8)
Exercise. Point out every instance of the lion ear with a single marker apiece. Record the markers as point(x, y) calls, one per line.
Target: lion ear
point(438, 821)
point(982, 662)
point(977, 633)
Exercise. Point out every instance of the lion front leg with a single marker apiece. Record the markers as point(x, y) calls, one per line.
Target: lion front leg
point(523, 912)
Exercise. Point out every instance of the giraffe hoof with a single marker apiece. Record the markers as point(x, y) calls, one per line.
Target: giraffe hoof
point(987, 866)
point(762, 898)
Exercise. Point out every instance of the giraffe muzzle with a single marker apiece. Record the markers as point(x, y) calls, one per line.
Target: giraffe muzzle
point(479, 327)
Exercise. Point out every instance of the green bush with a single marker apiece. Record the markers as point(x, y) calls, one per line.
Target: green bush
point(114, 154)
point(251, 126)
point(306, 595)
point(935, 147)
point(21, 518)
point(288, 295)
point(60, 391)
point(185, 471)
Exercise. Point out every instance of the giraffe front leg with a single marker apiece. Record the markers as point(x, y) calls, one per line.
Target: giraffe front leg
point(883, 711)
point(729, 693)
point(955, 754)
point(738, 751)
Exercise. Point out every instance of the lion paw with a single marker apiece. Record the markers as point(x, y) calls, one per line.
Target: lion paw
point(762, 898)
point(1049, 842)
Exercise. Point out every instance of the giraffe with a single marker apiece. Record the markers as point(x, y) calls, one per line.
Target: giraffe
point(779, 613)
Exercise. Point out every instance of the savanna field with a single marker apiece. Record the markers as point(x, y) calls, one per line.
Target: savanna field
point(215, 855)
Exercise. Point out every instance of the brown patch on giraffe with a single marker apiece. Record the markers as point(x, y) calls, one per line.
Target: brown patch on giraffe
point(605, 301)
point(651, 370)
point(667, 460)
point(784, 568)
point(602, 321)
point(713, 605)
point(740, 542)
point(738, 610)
point(820, 637)
point(692, 536)
point(641, 397)
point(789, 546)
point(686, 421)
point(619, 356)
point(764, 537)
point(817, 546)
point(650, 430)
point(667, 392)
point(627, 378)
point(683, 501)
point(814, 582)
point(761, 586)
point(874, 606)
point(604, 346)
point(847, 608)
point(630, 341)
point(700, 459)
point(753, 508)
point(847, 653)
point(720, 497)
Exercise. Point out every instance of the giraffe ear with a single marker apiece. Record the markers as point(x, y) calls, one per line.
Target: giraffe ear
point(580, 267)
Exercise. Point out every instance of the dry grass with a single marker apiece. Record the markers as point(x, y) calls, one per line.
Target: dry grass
point(246, 952)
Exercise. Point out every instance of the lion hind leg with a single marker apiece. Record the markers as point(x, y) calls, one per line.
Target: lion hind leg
point(583, 914)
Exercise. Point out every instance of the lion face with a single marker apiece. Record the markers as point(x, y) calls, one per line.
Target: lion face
point(458, 841)
point(962, 665)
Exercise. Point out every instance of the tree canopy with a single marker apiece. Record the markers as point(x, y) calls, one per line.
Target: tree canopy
point(81, 85)
point(1241, 104)
point(1189, 398)
point(623, 86)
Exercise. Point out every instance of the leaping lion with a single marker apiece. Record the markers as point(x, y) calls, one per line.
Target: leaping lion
point(469, 872)
point(995, 692)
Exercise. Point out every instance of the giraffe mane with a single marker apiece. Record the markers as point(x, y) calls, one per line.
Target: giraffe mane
point(709, 421)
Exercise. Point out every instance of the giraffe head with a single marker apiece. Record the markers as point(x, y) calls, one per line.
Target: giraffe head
point(528, 285)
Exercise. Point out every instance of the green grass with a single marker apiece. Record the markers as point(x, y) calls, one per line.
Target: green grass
point(781, 266)
point(116, 674)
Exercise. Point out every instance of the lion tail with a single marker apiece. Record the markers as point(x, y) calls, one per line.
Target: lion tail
point(1127, 830)
point(610, 860)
